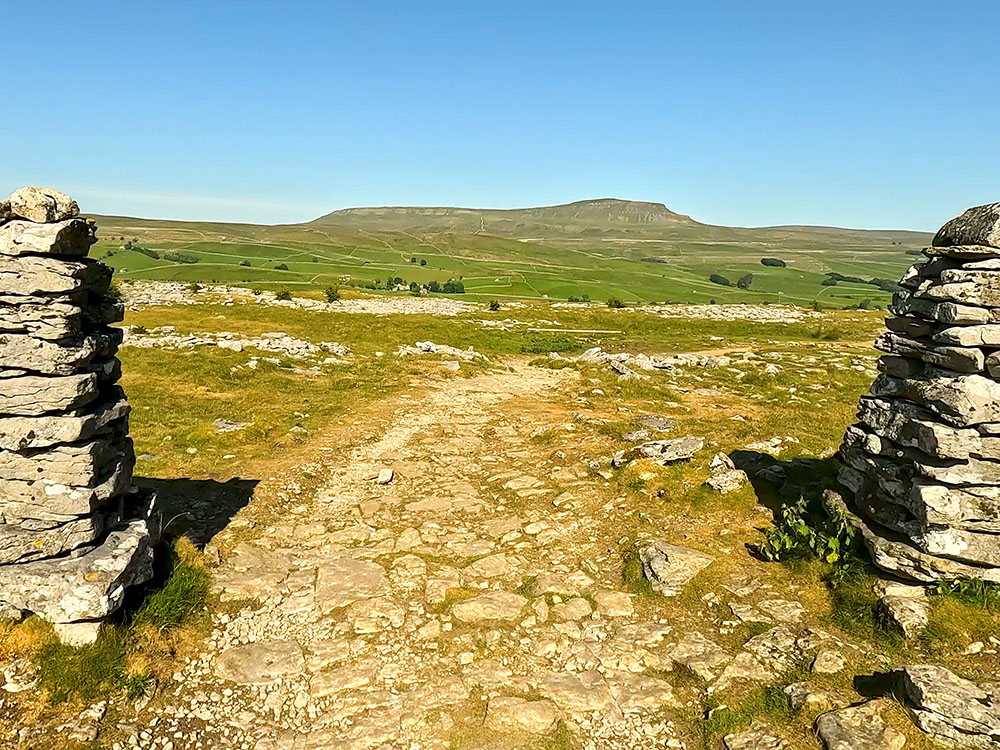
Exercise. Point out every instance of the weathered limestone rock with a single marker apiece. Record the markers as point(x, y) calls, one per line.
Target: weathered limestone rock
point(959, 359)
point(510, 714)
point(42, 205)
point(758, 736)
point(668, 567)
point(72, 537)
point(18, 433)
point(906, 303)
point(33, 395)
point(725, 477)
point(71, 237)
point(661, 451)
point(979, 225)
point(858, 728)
point(493, 605)
point(261, 663)
point(960, 401)
point(87, 585)
point(905, 606)
point(26, 276)
point(952, 709)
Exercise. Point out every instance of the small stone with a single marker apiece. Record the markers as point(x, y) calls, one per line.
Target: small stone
point(828, 661)
point(858, 728)
point(669, 567)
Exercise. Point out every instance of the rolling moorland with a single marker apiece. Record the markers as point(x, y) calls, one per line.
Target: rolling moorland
point(598, 249)
point(375, 542)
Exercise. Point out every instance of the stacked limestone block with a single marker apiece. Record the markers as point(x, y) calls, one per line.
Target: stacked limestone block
point(922, 464)
point(72, 535)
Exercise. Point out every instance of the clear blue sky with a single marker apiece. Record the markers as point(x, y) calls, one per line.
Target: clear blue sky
point(867, 114)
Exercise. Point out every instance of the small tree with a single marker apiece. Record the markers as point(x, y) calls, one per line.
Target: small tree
point(332, 294)
point(615, 304)
point(414, 287)
point(413, 260)
point(433, 286)
point(494, 305)
point(423, 262)
point(281, 267)
point(283, 295)
point(745, 281)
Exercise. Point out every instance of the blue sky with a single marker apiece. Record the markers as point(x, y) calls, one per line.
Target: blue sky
point(867, 114)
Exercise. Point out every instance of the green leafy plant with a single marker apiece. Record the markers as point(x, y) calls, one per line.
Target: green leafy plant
point(332, 294)
point(283, 295)
point(803, 534)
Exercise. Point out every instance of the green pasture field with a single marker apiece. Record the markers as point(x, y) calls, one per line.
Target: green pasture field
point(634, 269)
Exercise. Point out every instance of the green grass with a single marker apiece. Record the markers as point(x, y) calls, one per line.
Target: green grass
point(856, 607)
point(962, 612)
point(120, 659)
point(763, 702)
point(556, 258)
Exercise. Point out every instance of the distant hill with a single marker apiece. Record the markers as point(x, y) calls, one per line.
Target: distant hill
point(589, 217)
point(632, 250)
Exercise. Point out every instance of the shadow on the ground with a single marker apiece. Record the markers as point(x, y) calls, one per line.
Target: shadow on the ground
point(197, 508)
point(879, 685)
point(776, 482)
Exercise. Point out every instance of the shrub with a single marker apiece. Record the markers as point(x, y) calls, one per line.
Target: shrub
point(413, 260)
point(720, 280)
point(332, 294)
point(828, 282)
point(140, 329)
point(494, 305)
point(802, 533)
point(423, 262)
point(194, 287)
point(245, 263)
point(773, 262)
point(745, 281)
point(181, 257)
point(615, 304)
point(283, 295)
point(281, 267)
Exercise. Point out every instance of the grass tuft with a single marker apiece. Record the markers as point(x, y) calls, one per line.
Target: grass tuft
point(126, 655)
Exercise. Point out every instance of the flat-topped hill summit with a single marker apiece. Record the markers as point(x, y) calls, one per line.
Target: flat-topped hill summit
point(603, 215)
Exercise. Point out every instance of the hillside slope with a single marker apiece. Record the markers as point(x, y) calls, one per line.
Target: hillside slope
point(635, 251)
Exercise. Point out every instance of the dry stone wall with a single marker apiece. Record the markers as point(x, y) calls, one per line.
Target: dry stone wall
point(73, 534)
point(922, 464)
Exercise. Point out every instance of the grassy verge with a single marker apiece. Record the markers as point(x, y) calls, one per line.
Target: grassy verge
point(140, 646)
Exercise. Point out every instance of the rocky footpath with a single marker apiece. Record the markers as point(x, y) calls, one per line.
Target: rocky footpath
point(72, 535)
point(922, 464)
